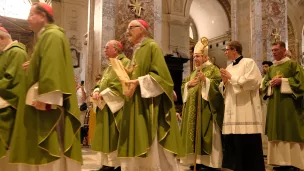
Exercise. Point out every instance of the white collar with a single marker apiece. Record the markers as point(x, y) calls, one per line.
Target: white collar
point(275, 62)
point(43, 28)
point(9, 45)
point(137, 45)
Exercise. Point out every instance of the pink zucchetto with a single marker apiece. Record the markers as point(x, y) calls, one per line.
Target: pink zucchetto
point(47, 8)
point(144, 24)
point(3, 30)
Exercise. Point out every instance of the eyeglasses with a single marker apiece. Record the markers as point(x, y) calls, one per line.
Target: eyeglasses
point(227, 50)
point(131, 27)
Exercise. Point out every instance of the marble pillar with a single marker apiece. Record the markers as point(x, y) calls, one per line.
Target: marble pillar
point(256, 31)
point(101, 30)
point(71, 15)
point(90, 46)
point(274, 23)
point(241, 24)
point(234, 20)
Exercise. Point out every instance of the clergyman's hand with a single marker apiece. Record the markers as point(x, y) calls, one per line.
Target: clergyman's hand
point(276, 82)
point(96, 95)
point(225, 75)
point(25, 65)
point(202, 76)
point(193, 82)
point(39, 105)
point(131, 87)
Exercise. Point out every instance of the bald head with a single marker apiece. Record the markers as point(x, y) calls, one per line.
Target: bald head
point(113, 48)
point(5, 38)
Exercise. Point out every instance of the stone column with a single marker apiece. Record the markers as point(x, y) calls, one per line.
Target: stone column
point(90, 46)
point(274, 23)
point(246, 27)
point(234, 20)
point(101, 30)
point(158, 14)
point(256, 31)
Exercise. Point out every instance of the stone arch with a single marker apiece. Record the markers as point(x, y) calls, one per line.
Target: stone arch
point(225, 4)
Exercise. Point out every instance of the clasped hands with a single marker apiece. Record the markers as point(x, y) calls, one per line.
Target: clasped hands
point(97, 96)
point(39, 105)
point(225, 75)
point(275, 82)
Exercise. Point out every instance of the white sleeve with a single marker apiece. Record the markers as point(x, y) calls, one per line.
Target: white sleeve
point(285, 86)
point(149, 87)
point(114, 101)
point(222, 88)
point(205, 89)
point(185, 93)
point(3, 103)
point(251, 80)
point(54, 98)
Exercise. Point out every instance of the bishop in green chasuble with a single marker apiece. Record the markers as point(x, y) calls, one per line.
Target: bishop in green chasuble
point(284, 87)
point(149, 136)
point(207, 77)
point(46, 132)
point(109, 100)
point(12, 56)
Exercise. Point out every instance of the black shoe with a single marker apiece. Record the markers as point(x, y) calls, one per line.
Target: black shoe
point(206, 168)
point(285, 168)
point(106, 168)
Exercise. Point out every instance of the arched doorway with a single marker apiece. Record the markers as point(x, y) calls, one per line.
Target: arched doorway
point(210, 19)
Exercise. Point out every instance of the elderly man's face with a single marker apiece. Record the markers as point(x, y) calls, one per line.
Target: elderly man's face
point(134, 32)
point(110, 50)
point(3, 42)
point(199, 59)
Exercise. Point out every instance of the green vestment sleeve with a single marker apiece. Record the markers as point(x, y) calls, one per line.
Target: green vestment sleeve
point(284, 113)
point(11, 73)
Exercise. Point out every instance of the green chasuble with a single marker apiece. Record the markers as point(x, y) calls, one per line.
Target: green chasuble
point(284, 118)
point(11, 73)
point(143, 118)
point(35, 140)
point(211, 110)
point(106, 131)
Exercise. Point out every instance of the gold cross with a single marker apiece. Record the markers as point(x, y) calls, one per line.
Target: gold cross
point(136, 7)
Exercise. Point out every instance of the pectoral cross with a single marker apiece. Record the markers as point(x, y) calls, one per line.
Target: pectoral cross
point(278, 75)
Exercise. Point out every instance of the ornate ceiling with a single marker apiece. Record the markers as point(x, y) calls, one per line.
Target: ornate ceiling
point(17, 28)
point(227, 7)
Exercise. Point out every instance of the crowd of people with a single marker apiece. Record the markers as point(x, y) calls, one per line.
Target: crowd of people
point(226, 112)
